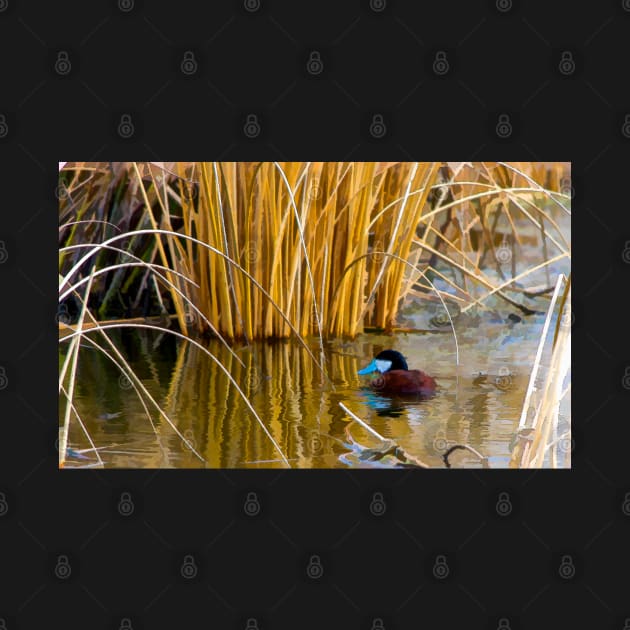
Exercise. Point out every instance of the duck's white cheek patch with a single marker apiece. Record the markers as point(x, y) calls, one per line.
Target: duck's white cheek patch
point(383, 366)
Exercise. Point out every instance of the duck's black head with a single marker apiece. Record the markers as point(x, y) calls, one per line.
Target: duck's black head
point(386, 361)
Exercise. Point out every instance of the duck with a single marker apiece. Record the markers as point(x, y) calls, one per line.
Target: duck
point(396, 377)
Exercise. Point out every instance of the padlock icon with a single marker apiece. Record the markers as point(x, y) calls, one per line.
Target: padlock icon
point(504, 126)
point(626, 378)
point(440, 63)
point(252, 127)
point(504, 5)
point(63, 570)
point(125, 504)
point(191, 192)
point(315, 65)
point(625, 505)
point(565, 183)
point(252, 505)
point(504, 380)
point(251, 5)
point(125, 624)
point(3, 623)
point(62, 64)
point(378, 505)
point(378, 5)
point(504, 624)
point(252, 624)
point(61, 192)
point(125, 5)
point(566, 445)
point(314, 569)
point(626, 7)
point(4, 254)
point(625, 128)
point(189, 63)
point(315, 443)
point(440, 443)
point(440, 568)
point(4, 506)
point(125, 127)
point(4, 379)
point(189, 443)
point(566, 570)
point(504, 505)
point(567, 64)
point(377, 126)
point(315, 190)
point(63, 315)
point(626, 623)
point(253, 379)
point(189, 317)
point(440, 319)
point(378, 624)
point(503, 252)
point(626, 253)
point(189, 568)
point(568, 318)
point(124, 382)
point(4, 128)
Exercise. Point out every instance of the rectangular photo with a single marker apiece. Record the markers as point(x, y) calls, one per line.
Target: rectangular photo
point(318, 315)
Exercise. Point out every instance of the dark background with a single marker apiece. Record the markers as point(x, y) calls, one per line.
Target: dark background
point(314, 76)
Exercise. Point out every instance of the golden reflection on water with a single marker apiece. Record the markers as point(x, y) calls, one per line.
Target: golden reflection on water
point(299, 406)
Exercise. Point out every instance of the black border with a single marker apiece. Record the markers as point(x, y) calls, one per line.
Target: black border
point(374, 63)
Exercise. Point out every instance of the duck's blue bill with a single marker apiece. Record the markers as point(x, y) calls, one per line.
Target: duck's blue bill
point(368, 369)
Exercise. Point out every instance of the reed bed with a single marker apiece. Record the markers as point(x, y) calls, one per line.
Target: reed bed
point(540, 441)
point(269, 250)
point(337, 246)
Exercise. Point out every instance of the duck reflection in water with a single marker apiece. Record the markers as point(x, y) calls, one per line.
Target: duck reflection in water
point(384, 405)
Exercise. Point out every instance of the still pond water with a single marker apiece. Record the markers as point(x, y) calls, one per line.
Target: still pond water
point(477, 403)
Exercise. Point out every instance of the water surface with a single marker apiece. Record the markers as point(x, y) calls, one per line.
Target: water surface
point(477, 403)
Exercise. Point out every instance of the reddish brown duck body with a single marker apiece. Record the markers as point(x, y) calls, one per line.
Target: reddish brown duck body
point(395, 376)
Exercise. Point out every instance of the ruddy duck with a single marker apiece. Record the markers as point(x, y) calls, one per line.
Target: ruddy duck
point(396, 377)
